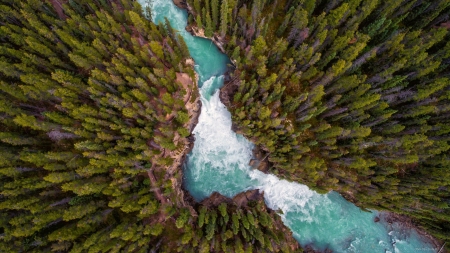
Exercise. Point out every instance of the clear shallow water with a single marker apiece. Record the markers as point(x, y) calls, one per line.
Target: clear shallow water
point(219, 162)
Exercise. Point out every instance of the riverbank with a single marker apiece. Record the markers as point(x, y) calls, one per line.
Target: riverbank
point(173, 172)
point(216, 39)
point(195, 31)
point(260, 159)
point(405, 225)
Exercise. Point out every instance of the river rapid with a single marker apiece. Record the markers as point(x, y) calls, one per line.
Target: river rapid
point(220, 157)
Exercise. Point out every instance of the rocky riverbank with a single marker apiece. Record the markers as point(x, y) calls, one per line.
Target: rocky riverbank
point(216, 39)
point(180, 4)
point(195, 31)
point(240, 200)
point(405, 225)
point(193, 106)
point(260, 160)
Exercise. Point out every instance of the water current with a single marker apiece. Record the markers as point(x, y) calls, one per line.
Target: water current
point(220, 158)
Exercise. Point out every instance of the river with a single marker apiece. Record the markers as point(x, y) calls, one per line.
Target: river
point(220, 157)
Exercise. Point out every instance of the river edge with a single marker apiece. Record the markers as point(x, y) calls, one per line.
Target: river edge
point(260, 161)
point(406, 224)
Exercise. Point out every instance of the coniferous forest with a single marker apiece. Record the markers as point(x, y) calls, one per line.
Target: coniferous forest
point(97, 106)
point(94, 116)
point(344, 95)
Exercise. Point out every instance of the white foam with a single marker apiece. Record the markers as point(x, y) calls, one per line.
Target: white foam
point(215, 143)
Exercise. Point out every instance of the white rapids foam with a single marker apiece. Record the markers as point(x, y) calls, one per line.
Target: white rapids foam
point(287, 196)
point(215, 143)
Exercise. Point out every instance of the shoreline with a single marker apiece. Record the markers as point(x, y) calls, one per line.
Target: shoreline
point(216, 39)
point(194, 110)
point(406, 224)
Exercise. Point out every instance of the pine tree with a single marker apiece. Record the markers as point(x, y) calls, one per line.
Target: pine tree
point(224, 18)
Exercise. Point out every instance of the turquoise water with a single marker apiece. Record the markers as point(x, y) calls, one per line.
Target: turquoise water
point(219, 162)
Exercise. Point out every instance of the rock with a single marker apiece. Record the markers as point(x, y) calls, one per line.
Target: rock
point(257, 153)
point(263, 166)
point(190, 62)
point(309, 249)
point(252, 162)
point(180, 4)
point(227, 93)
point(243, 198)
point(405, 223)
point(187, 198)
point(261, 157)
point(215, 200)
point(377, 219)
point(196, 31)
point(236, 129)
point(218, 41)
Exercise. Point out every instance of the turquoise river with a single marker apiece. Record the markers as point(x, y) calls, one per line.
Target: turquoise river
point(220, 158)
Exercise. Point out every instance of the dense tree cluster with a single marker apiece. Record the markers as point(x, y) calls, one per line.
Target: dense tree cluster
point(228, 227)
point(93, 113)
point(85, 89)
point(349, 95)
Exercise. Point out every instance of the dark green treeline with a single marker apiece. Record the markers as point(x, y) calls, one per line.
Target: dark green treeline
point(349, 95)
point(90, 106)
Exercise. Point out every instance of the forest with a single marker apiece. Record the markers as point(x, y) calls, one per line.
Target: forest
point(94, 109)
point(344, 95)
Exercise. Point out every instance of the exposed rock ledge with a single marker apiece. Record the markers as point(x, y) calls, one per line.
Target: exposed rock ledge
point(216, 39)
point(193, 106)
point(240, 200)
point(182, 4)
point(405, 225)
point(195, 31)
point(260, 161)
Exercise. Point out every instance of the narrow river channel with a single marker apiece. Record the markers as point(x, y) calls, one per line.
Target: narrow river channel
point(219, 162)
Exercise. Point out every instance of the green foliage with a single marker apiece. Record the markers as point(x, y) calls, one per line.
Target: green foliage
point(244, 227)
point(87, 95)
